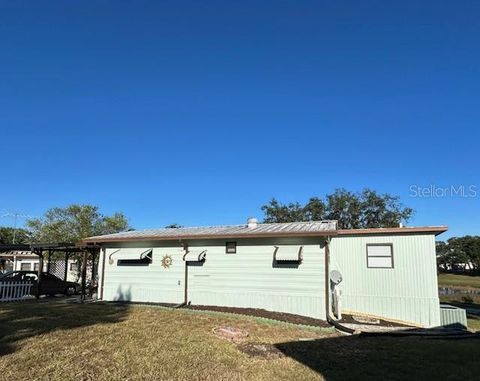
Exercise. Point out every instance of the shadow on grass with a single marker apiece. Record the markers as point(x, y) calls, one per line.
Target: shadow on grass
point(20, 321)
point(387, 358)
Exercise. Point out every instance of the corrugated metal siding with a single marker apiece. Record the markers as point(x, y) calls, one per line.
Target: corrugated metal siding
point(453, 317)
point(151, 283)
point(408, 292)
point(245, 279)
point(249, 279)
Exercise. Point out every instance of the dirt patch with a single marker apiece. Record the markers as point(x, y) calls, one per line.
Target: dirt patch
point(349, 319)
point(260, 350)
point(280, 316)
point(366, 320)
point(230, 333)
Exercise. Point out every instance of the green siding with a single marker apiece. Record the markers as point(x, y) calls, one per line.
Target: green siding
point(245, 279)
point(408, 292)
point(150, 283)
point(248, 279)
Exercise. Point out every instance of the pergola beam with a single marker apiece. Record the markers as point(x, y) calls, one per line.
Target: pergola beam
point(52, 247)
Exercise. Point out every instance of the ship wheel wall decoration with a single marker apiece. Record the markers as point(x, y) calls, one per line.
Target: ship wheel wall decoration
point(166, 261)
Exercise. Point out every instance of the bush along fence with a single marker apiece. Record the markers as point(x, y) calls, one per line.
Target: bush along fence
point(13, 291)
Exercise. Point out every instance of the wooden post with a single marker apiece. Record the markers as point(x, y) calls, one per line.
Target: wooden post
point(93, 265)
point(93, 281)
point(66, 266)
point(49, 260)
point(40, 270)
point(84, 274)
point(104, 254)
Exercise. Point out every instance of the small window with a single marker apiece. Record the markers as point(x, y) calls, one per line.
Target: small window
point(380, 256)
point(26, 266)
point(73, 266)
point(231, 248)
point(36, 266)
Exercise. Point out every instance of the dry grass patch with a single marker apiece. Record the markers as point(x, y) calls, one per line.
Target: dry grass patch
point(458, 280)
point(55, 341)
point(106, 342)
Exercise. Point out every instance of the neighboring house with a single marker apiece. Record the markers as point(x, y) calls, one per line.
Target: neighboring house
point(285, 267)
point(456, 267)
point(27, 261)
point(18, 260)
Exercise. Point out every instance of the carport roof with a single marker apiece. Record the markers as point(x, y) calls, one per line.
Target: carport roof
point(289, 229)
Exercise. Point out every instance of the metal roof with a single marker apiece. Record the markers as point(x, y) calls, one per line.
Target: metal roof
point(400, 230)
point(289, 229)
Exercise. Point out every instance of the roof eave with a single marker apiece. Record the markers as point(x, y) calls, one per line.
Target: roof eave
point(210, 236)
point(404, 230)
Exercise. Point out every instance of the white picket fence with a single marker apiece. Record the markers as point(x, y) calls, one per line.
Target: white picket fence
point(12, 291)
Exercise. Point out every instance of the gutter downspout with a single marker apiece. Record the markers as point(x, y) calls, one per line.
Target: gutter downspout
point(330, 319)
point(185, 281)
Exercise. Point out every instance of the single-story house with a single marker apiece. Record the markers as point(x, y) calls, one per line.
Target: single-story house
point(304, 268)
point(18, 260)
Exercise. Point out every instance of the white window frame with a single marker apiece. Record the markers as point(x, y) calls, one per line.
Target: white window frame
point(369, 256)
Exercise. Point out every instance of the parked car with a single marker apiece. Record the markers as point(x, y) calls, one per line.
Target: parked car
point(51, 284)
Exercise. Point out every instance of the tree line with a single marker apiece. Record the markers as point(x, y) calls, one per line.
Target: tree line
point(459, 254)
point(365, 209)
point(352, 210)
point(66, 225)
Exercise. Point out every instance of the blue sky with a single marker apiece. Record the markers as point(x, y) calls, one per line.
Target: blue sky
point(200, 112)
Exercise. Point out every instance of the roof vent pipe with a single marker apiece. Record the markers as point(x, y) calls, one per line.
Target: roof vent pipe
point(252, 223)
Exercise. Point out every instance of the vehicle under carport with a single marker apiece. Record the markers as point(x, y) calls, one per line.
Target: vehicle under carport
point(53, 260)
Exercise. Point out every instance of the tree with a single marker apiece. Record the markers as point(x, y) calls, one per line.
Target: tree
point(345, 207)
point(459, 254)
point(315, 209)
point(443, 259)
point(385, 210)
point(276, 212)
point(367, 209)
point(7, 233)
point(73, 223)
point(466, 251)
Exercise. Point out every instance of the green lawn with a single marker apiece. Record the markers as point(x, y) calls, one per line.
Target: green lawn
point(474, 322)
point(458, 280)
point(56, 341)
point(467, 301)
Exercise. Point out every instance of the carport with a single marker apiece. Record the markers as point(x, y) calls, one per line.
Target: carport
point(59, 254)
